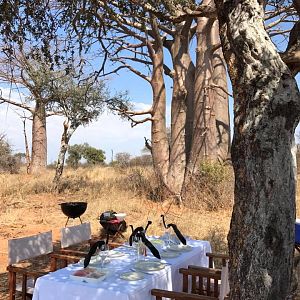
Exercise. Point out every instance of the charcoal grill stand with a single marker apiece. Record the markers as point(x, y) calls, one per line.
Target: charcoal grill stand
point(118, 232)
point(73, 219)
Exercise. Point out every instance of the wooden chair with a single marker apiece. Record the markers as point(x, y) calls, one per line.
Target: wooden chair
point(213, 257)
point(38, 247)
point(20, 249)
point(204, 281)
point(74, 236)
point(197, 282)
point(159, 294)
point(210, 281)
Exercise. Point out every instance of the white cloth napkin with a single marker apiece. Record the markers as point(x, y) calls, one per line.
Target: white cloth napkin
point(224, 288)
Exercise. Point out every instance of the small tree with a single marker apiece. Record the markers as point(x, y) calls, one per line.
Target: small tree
point(93, 156)
point(8, 161)
point(75, 155)
point(123, 159)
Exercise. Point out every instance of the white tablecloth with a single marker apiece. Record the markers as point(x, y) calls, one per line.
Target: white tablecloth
point(59, 286)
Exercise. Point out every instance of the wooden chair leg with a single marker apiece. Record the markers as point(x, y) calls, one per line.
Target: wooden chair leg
point(24, 286)
point(12, 285)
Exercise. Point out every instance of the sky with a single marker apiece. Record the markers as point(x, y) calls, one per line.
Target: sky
point(109, 132)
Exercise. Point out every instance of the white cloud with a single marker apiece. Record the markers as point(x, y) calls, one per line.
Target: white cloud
point(109, 133)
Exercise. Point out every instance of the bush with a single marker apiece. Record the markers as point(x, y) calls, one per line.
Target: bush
point(211, 188)
point(142, 182)
point(8, 162)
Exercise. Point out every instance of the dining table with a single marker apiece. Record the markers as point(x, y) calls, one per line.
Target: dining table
point(63, 285)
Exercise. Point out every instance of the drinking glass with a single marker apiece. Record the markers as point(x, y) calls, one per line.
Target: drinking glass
point(103, 254)
point(137, 247)
point(167, 237)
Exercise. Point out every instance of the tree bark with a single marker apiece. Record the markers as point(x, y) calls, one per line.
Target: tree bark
point(39, 139)
point(27, 154)
point(267, 108)
point(182, 95)
point(220, 96)
point(204, 122)
point(160, 144)
point(65, 139)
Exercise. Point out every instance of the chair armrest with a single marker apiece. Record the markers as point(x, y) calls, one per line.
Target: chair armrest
point(178, 295)
point(71, 252)
point(203, 272)
point(217, 255)
point(55, 257)
point(212, 256)
point(21, 270)
point(204, 269)
point(66, 257)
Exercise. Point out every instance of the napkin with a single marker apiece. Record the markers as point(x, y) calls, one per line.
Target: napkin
point(134, 233)
point(92, 251)
point(176, 230)
point(178, 233)
point(149, 223)
point(149, 245)
point(139, 233)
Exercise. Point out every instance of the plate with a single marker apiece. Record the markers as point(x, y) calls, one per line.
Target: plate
point(132, 276)
point(89, 275)
point(180, 248)
point(115, 254)
point(149, 265)
point(169, 254)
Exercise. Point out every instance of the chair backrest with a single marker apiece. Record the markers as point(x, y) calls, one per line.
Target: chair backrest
point(75, 234)
point(204, 281)
point(29, 247)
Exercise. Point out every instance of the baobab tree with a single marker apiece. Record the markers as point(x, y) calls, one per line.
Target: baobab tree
point(267, 110)
point(138, 36)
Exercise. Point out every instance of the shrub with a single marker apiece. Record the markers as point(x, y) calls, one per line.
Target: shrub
point(211, 188)
point(142, 182)
point(8, 162)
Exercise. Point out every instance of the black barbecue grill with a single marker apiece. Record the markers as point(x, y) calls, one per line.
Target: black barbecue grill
point(73, 209)
point(111, 223)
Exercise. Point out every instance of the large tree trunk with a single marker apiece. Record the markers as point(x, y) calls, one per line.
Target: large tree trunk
point(204, 131)
point(267, 108)
point(220, 95)
point(160, 144)
point(182, 95)
point(39, 139)
point(65, 138)
point(27, 153)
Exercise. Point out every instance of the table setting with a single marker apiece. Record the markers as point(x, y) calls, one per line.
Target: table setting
point(128, 272)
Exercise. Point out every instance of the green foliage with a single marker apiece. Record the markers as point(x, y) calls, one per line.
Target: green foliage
point(213, 171)
point(92, 155)
point(74, 155)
